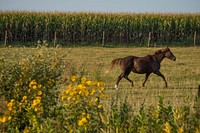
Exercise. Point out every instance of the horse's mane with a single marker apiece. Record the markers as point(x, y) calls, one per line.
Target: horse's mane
point(161, 51)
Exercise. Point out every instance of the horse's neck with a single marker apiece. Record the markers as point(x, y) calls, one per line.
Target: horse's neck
point(160, 56)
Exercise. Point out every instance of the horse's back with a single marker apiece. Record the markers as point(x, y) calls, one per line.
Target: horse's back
point(143, 64)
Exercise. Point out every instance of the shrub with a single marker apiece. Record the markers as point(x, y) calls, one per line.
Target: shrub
point(30, 88)
point(81, 101)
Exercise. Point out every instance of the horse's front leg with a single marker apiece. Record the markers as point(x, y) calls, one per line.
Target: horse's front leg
point(161, 75)
point(146, 77)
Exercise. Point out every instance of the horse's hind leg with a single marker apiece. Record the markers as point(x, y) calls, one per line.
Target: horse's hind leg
point(161, 75)
point(123, 75)
point(126, 77)
point(119, 79)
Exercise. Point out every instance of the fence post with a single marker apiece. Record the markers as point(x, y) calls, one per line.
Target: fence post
point(199, 91)
point(103, 37)
point(195, 36)
point(54, 43)
point(149, 39)
point(5, 41)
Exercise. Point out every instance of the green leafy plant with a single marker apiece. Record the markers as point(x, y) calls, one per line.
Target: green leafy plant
point(30, 88)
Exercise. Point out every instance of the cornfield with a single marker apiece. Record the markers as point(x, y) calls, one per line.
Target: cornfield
point(118, 28)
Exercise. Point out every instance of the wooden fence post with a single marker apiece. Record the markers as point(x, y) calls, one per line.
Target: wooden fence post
point(103, 37)
point(149, 39)
point(5, 41)
point(195, 36)
point(54, 43)
point(199, 91)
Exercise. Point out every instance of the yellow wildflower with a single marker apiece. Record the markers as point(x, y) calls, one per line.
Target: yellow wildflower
point(90, 103)
point(36, 101)
point(24, 98)
point(65, 104)
point(39, 86)
point(83, 79)
point(38, 110)
point(89, 83)
point(26, 130)
point(86, 93)
point(63, 97)
point(99, 106)
point(103, 96)
point(83, 113)
point(32, 83)
point(12, 100)
point(10, 104)
point(81, 86)
point(3, 119)
point(100, 84)
point(102, 89)
point(9, 117)
point(93, 91)
point(70, 86)
point(82, 121)
point(96, 99)
point(73, 78)
point(88, 116)
point(34, 87)
point(67, 91)
point(68, 98)
point(39, 93)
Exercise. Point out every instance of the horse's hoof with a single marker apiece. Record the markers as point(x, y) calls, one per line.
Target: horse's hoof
point(116, 87)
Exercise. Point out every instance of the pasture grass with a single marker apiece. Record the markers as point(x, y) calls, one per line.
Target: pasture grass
point(93, 62)
point(182, 75)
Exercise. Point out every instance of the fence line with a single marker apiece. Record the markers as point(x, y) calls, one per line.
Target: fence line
point(141, 39)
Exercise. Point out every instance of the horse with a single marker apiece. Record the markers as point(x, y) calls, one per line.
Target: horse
point(142, 65)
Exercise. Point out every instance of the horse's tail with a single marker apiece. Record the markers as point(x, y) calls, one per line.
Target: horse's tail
point(114, 62)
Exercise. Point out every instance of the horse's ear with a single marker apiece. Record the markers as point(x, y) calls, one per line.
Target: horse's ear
point(167, 48)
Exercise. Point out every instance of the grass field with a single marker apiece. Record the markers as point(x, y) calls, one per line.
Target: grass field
point(183, 75)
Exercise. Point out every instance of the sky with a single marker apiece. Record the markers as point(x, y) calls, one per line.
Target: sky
point(113, 6)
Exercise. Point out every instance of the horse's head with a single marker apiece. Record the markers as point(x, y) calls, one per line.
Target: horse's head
point(169, 54)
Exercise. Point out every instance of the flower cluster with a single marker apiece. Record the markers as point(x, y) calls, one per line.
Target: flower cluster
point(30, 101)
point(82, 98)
point(36, 104)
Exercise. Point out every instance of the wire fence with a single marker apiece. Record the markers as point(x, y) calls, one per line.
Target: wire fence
point(105, 38)
point(175, 97)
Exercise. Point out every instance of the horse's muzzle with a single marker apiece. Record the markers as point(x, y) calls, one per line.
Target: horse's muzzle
point(174, 58)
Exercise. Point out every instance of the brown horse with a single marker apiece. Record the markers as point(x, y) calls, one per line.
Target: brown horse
point(142, 65)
